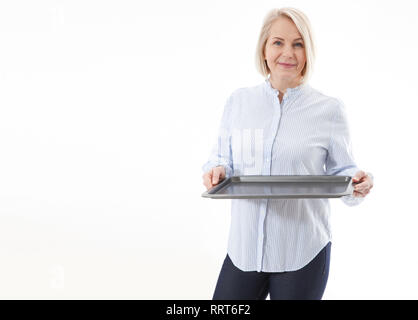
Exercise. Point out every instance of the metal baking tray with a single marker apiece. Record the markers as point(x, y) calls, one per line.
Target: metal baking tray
point(281, 187)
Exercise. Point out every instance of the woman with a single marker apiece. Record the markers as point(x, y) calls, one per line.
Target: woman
point(283, 126)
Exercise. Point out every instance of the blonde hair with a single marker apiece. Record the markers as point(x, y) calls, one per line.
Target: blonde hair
point(303, 25)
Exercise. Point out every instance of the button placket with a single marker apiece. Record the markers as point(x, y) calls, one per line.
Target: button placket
point(267, 171)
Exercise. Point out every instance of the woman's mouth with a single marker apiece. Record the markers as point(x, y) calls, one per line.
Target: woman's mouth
point(286, 65)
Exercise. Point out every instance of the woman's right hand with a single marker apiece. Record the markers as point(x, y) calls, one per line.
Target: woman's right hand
point(214, 176)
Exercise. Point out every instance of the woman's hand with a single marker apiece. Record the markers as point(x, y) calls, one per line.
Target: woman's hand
point(213, 177)
point(362, 184)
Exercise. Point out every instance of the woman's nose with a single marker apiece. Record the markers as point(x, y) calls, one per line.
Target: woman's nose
point(288, 51)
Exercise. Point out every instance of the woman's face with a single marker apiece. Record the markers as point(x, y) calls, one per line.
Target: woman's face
point(285, 46)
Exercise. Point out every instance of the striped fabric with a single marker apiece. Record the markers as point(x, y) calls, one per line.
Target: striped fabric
point(306, 134)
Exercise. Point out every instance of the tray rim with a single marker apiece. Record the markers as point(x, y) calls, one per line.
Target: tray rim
point(211, 193)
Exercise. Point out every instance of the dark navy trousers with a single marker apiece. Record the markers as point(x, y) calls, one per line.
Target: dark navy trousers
point(307, 283)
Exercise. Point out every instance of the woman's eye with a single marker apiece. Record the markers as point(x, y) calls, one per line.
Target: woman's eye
point(296, 44)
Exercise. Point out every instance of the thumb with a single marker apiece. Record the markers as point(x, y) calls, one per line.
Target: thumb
point(358, 176)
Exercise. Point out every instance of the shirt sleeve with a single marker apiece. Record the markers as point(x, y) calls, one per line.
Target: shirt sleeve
point(221, 153)
point(340, 160)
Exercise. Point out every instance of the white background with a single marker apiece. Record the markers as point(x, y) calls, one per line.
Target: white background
point(108, 110)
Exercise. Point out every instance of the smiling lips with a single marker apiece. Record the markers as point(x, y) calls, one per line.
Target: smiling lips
point(286, 65)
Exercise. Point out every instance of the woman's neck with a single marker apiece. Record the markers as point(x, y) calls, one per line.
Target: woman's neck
point(283, 84)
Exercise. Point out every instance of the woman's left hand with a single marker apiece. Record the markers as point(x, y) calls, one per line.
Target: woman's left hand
point(362, 184)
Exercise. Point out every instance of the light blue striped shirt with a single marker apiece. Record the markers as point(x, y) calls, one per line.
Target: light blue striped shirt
point(306, 134)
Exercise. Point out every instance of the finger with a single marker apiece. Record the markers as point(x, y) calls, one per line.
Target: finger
point(358, 194)
point(364, 194)
point(362, 187)
point(362, 191)
point(208, 185)
point(210, 174)
point(207, 181)
point(215, 176)
point(222, 172)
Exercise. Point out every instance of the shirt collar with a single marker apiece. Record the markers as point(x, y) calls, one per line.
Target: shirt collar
point(289, 91)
